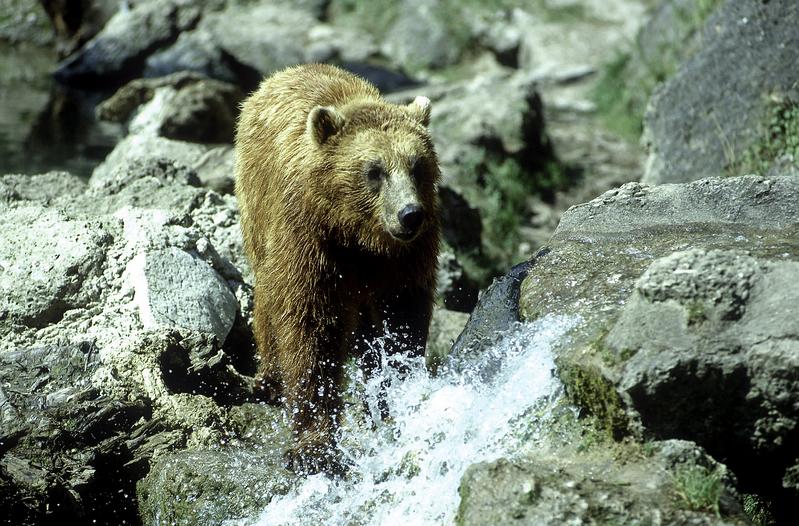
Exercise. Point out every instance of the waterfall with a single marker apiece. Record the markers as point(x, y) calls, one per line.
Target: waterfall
point(406, 470)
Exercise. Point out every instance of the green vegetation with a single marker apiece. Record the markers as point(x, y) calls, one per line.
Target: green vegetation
point(758, 510)
point(626, 83)
point(780, 138)
point(587, 386)
point(699, 487)
point(507, 186)
point(696, 312)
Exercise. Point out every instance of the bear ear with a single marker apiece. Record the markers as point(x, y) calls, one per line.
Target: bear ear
point(323, 123)
point(420, 109)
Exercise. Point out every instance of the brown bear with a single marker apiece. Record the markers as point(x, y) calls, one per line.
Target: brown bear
point(339, 212)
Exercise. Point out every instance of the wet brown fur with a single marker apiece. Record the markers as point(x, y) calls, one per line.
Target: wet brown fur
point(327, 271)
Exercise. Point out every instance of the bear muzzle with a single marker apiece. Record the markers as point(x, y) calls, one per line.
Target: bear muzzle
point(410, 218)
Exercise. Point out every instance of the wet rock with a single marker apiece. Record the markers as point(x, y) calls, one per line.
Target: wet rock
point(118, 52)
point(684, 291)
point(445, 327)
point(496, 313)
point(693, 131)
point(206, 487)
point(586, 490)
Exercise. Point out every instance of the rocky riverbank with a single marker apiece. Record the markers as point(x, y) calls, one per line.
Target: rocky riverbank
point(638, 365)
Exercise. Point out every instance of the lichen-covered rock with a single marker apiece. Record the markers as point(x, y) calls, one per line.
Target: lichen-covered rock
point(592, 490)
point(205, 487)
point(695, 130)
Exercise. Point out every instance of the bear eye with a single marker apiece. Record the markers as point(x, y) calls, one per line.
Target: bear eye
point(374, 173)
point(416, 167)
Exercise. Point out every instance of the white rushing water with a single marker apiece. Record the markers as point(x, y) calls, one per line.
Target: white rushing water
point(406, 470)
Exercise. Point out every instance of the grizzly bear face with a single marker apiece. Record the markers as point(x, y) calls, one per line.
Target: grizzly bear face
point(378, 168)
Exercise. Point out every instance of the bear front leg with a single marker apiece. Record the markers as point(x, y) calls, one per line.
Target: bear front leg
point(402, 321)
point(311, 364)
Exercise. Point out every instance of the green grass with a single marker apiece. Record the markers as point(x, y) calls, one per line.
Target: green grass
point(699, 488)
point(780, 138)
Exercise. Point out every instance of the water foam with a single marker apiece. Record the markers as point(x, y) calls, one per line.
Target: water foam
point(406, 470)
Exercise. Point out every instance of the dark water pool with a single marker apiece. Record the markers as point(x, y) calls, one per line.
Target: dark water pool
point(44, 126)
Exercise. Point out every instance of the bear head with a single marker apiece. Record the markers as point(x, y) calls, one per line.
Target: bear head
point(378, 174)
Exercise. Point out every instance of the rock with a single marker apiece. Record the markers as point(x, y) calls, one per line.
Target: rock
point(184, 106)
point(684, 292)
point(263, 36)
point(339, 43)
point(175, 289)
point(45, 275)
point(423, 36)
point(490, 140)
point(74, 23)
point(40, 187)
point(385, 79)
point(197, 51)
point(454, 286)
point(213, 164)
point(503, 115)
point(693, 131)
point(445, 327)
point(460, 223)
point(61, 452)
point(551, 491)
point(496, 313)
point(205, 487)
point(118, 52)
point(122, 338)
point(702, 325)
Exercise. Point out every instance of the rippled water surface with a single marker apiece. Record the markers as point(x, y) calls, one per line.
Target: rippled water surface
point(407, 469)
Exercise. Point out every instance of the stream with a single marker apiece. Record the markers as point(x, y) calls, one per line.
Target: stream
point(406, 470)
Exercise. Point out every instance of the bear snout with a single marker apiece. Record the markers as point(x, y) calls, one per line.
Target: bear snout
point(411, 217)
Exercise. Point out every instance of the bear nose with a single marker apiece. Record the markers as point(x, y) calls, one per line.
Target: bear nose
point(410, 217)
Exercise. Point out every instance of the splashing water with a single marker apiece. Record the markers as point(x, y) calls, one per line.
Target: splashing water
point(406, 470)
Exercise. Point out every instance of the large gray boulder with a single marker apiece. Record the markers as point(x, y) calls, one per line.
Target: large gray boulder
point(706, 119)
point(685, 294)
